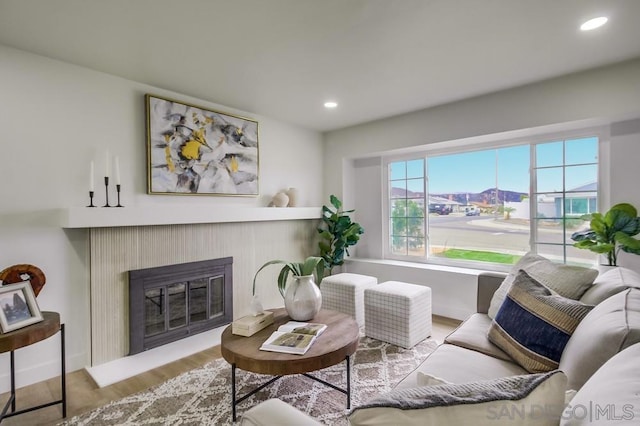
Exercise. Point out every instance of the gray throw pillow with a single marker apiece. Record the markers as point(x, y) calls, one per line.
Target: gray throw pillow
point(566, 280)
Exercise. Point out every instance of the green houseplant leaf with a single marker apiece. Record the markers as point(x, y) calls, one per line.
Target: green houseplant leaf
point(611, 232)
point(312, 265)
point(337, 233)
point(628, 244)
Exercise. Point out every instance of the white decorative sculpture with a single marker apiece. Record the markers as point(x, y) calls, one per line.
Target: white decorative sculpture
point(281, 199)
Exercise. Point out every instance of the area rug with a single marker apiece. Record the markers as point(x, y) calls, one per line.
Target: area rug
point(203, 396)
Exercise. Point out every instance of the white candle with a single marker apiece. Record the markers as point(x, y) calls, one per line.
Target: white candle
point(91, 173)
point(116, 161)
point(107, 166)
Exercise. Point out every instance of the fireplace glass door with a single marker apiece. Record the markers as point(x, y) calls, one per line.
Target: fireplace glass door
point(168, 307)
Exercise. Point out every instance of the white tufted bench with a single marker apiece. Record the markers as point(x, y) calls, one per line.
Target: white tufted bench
point(345, 293)
point(398, 313)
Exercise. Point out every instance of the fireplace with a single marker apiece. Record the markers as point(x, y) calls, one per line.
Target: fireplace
point(168, 303)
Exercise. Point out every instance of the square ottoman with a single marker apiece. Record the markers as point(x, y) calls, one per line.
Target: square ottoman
point(345, 293)
point(398, 313)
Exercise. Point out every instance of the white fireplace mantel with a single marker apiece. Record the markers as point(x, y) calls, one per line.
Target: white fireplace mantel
point(99, 217)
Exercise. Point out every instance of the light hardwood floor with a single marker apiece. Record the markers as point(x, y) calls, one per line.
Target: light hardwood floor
point(83, 395)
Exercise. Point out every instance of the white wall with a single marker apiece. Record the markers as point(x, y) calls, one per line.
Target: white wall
point(368, 198)
point(625, 173)
point(598, 97)
point(56, 117)
point(453, 290)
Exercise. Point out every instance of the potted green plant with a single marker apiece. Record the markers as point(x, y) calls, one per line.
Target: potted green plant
point(337, 233)
point(611, 232)
point(302, 298)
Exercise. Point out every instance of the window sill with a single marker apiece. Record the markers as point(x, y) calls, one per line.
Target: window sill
point(423, 266)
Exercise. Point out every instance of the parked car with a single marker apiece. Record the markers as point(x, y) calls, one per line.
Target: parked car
point(472, 212)
point(441, 209)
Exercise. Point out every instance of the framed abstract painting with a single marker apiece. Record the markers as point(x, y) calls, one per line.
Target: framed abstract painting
point(194, 150)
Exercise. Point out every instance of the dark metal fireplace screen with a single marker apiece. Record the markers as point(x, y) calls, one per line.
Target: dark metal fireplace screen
point(169, 303)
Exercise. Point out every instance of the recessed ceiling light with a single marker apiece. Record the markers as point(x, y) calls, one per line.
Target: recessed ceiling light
point(594, 23)
point(330, 104)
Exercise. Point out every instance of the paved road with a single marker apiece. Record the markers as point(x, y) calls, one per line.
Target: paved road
point(485, 233)
point(471, 232)
point(476, 223)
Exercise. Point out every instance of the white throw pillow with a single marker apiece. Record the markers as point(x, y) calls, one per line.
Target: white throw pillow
point(566, 280)
point(610, 396)
point(608, 283)
point(532, 399)
point(568, 395)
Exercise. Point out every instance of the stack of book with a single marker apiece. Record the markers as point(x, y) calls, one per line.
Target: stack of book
point(293, 337)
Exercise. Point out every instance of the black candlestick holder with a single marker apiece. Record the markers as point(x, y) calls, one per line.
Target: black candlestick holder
point(118, 192)
point(90, 199)
point(106, 191)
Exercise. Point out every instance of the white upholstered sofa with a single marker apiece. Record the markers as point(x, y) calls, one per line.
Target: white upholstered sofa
point(599, 365)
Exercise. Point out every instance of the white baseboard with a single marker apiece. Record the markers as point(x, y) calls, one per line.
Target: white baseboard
point(124, 368)
point(452, 312)
point(37, 372)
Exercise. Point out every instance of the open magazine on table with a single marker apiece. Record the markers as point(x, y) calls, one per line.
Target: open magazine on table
point(293, 337)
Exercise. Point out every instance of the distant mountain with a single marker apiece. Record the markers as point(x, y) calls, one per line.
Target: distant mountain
point(403, 193)
point(485, 197)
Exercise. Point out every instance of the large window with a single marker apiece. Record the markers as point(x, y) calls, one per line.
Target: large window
point(566, 187)
point(493, 205)
point(407, 208)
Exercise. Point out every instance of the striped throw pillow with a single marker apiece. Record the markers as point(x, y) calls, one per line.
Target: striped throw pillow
point(533, 325)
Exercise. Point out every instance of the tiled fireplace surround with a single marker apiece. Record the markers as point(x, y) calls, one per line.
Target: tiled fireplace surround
point(116, 250)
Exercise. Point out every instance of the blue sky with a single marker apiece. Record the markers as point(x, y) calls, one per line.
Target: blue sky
point(476, 171)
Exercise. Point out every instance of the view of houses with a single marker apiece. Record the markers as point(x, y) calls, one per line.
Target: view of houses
point(512, 204)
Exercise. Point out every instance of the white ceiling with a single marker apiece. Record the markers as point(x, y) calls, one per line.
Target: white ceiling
point(284, 58)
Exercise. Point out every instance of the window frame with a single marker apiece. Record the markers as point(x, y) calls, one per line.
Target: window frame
point(458, 147)
point(387, 209)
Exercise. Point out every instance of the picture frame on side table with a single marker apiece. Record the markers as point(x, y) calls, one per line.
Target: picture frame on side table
point(193, 150)
point(18, 306)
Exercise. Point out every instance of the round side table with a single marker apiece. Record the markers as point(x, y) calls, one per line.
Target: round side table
point(26, 336)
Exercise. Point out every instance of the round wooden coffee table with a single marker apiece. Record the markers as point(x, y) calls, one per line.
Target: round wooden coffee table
point(338, 342)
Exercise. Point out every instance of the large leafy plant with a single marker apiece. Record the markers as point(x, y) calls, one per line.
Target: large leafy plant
point(312, 265)
point(611, 232)
point(337, 233)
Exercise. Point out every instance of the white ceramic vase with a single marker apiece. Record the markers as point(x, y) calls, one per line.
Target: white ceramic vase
point(293, 197)
point(302, 298)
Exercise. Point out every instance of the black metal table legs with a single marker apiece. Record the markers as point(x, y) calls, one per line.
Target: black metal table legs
point(12, 397)
point(235, 401)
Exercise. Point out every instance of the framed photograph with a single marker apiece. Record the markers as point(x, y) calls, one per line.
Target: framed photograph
point(194, 150)
point(18, 306)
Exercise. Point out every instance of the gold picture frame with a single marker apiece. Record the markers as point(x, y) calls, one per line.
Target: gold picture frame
point(193, 150)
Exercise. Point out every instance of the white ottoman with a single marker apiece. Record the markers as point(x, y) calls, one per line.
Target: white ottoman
point(345, 293)
point(398, 313)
